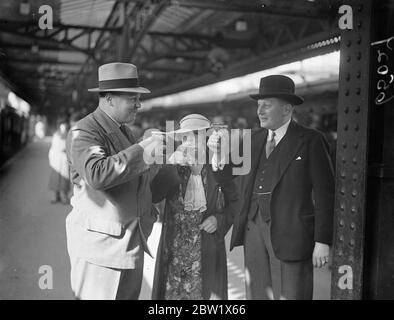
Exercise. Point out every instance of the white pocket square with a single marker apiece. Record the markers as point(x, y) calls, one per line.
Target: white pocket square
point(299, 158)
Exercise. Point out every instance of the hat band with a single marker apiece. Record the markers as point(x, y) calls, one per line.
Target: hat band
point(276, 90)
point(118, 83)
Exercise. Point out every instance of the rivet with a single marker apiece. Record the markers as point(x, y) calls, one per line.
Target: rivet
point(348, 58)
point(358, 74)
point(358, 55)
point(352, 226)
point(355, 145)
point(354, 210)
point(356, 127)
point(342, 191)
point(359, 38)
point(344, 145)
point(341, 222)
point(359, 24)
point(345, 127)
point(358, 109)
point(341, 238)
point(352, 242)
point(354, 193)
point(343, 160)
point(354, 160)
point(348, 43)
point(346, 110)
point(347, 77)
point(340, 253)
point(347, 92)
point(343, 175)
point(358, 91)
point(360, 8)
point(355, 177)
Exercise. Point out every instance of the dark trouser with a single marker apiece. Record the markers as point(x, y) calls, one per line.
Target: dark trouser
point(270, 278)
point(130, 284)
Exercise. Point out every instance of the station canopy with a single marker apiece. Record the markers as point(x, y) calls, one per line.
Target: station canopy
point(177, 45)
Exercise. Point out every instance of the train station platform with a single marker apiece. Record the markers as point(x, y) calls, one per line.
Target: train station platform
point(32, 236)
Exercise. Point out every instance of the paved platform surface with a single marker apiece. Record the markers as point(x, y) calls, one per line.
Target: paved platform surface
point(33, 239)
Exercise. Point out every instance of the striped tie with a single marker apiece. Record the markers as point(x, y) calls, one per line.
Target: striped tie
point(270, 146)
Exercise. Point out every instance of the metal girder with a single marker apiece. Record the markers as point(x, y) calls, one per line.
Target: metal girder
point(42, 61)
point(311, 13)
point(24, 46)
point(140, 31)
point(351, 156)
point(171, 70)
point(29, 29)
point(218, 40)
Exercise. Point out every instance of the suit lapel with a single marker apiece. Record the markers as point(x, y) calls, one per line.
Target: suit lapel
point(289, 145)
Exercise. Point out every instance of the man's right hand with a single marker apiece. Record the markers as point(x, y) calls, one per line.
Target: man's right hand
point(153, 146)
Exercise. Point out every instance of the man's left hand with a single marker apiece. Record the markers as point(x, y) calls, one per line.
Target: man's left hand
point(320, 254)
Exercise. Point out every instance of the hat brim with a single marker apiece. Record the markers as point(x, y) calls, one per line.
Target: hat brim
point(292, 98)
point(180, 131)
point(137, 90)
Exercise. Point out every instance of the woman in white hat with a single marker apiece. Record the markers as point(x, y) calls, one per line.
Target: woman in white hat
point(191, 261)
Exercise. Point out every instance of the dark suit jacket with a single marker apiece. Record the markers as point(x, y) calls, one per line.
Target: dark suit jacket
point(302, 199)
point(112, 207)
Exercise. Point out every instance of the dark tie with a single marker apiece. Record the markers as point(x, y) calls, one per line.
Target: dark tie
point(270, 146)
point(124, 130)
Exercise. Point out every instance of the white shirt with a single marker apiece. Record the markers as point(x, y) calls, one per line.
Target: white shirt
point(195, 195)
point(279, 133)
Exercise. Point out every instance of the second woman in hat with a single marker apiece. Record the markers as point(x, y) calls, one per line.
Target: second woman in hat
point(191, 261)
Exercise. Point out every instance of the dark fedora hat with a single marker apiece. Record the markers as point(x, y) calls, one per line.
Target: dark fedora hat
point(278, 86)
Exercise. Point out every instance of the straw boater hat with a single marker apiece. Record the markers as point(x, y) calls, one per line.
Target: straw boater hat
point(277, 86)
point(118, 77)
point(189, 123)
point(193, 122)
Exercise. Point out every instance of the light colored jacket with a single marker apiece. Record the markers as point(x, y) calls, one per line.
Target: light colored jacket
point(112, 212)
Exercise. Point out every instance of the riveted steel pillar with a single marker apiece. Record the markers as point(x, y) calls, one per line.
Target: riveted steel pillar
point(379, 241)
point(351, 159)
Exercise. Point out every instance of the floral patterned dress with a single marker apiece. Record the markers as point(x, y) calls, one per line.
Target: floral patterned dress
point(184, 278)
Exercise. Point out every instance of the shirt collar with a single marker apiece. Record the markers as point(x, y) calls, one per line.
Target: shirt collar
point(279, 133)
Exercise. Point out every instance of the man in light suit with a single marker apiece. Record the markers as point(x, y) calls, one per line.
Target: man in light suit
point(112, 213)
point(285, 220)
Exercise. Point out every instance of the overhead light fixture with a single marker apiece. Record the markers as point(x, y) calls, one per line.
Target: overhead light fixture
point(35, 48)
point(241, 26)
point(24, 8)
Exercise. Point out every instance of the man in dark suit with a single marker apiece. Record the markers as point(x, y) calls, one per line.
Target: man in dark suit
point(286, 213)
point(111, 218)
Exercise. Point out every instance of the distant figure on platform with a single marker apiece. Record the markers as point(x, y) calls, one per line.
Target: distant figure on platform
point(59, 180)
point(112, 214)
point(191, 262)
point(40, 128)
